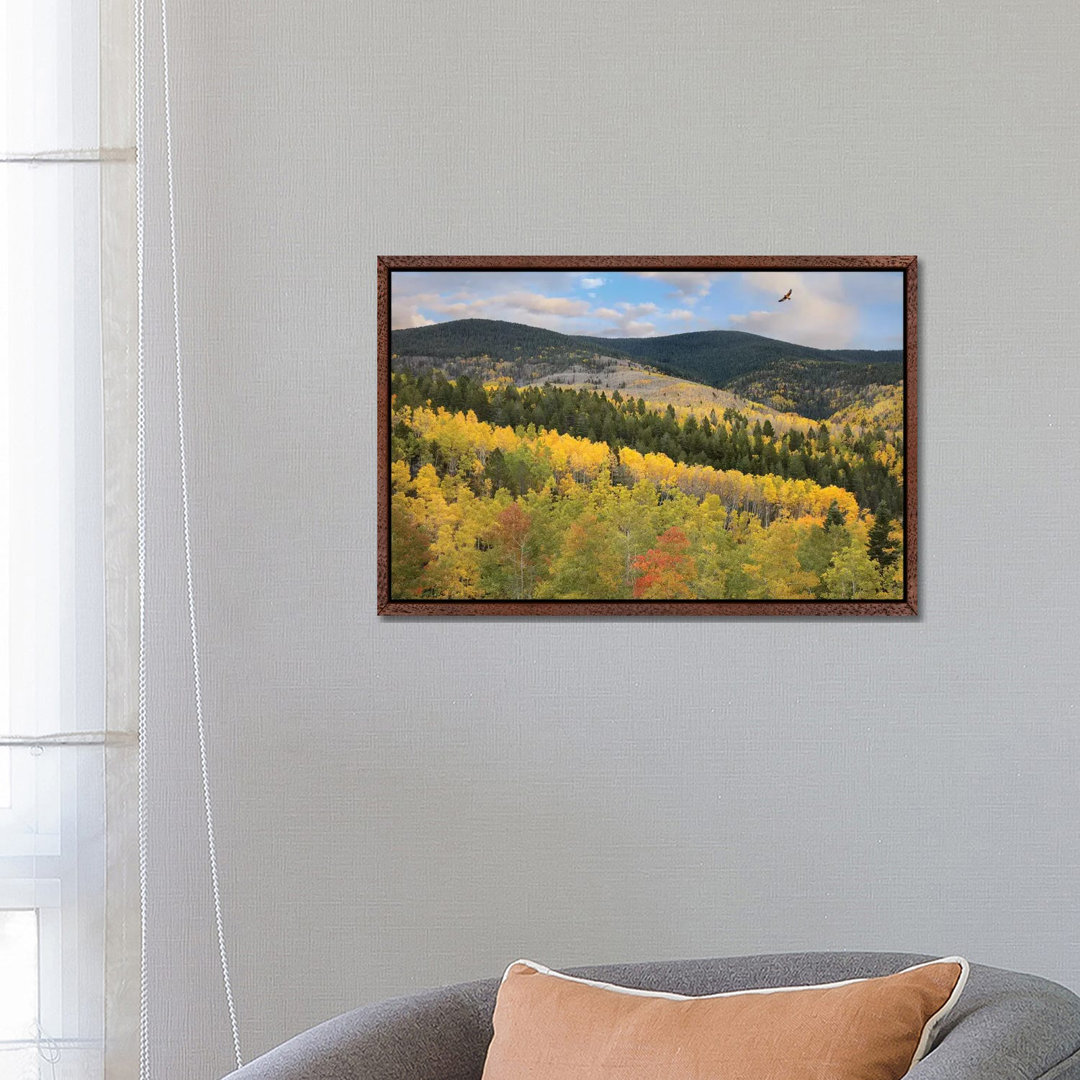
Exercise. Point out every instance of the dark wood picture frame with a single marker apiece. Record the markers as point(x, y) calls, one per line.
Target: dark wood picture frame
point(387, 264)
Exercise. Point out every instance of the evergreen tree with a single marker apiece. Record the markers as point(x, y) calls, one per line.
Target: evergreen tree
point(880, 545)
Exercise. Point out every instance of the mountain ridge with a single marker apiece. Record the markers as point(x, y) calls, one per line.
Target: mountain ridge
point(709, 356)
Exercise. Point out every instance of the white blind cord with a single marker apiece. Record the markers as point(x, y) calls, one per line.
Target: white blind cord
point(197, 680)
point(140, 199)
point(140, 454)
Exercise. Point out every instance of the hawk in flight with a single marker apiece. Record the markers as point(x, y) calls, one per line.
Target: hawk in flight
point(786, 296)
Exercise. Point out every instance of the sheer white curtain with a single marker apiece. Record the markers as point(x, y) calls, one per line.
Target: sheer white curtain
point(56, 206)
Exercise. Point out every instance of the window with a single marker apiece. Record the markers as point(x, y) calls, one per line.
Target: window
point(52, 577)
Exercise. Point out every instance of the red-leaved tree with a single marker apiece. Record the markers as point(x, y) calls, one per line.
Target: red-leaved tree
point(665, 571)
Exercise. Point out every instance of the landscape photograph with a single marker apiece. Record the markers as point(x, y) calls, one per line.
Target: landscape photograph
point(641, 438)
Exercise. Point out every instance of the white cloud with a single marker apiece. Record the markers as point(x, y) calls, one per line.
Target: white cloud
point(628, 328)
point(687, 282)
point(592, 282)
point(470, 310)
point(563, 313)
point(404, 320)
point(816, 314)
point(406, 313)
point(547, 305)
point(534, 308)
point(626, 320)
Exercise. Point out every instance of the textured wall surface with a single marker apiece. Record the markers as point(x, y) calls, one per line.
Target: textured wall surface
point(406, 803)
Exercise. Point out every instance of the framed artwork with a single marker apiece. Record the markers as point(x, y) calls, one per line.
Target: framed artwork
point(647, 435)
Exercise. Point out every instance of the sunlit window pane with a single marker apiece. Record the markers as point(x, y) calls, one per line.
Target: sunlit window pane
point(51, 559)
point(18, 977)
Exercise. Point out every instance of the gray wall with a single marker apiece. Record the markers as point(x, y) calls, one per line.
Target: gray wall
point(406, 803)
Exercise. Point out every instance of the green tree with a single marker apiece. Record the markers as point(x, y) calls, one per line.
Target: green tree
point(525, 471)
point(589, 567)
point(852, 575)
point(881, 547)
point(773, 564)
point(631, 513)
point(817, 548)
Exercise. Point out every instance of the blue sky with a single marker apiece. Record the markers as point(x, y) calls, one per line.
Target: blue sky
point(832, 309)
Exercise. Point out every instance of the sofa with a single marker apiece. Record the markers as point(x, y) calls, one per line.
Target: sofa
point(1006, 1026)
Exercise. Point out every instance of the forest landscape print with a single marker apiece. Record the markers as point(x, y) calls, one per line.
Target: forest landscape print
point(652, 438)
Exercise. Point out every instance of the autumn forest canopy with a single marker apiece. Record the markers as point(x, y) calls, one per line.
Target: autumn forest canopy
point(524, 467)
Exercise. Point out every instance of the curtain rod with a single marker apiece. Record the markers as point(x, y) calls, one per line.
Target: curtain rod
point(70, 738)
point(89, 156)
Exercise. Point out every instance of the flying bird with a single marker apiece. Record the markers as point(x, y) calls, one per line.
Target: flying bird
point(786, 296)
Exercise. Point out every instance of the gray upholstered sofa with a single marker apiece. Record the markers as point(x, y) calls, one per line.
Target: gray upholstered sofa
point(1006, 1026)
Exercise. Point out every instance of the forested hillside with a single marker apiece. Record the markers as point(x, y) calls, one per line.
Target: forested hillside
point(877, 407)
point(715, 357)
point(815, 388)
point(502, 492)
point(487, 337)
point(867, 465)
point(797, 378)
point(489, 348)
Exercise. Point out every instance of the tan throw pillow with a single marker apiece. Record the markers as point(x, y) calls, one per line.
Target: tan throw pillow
point(550, 1026)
